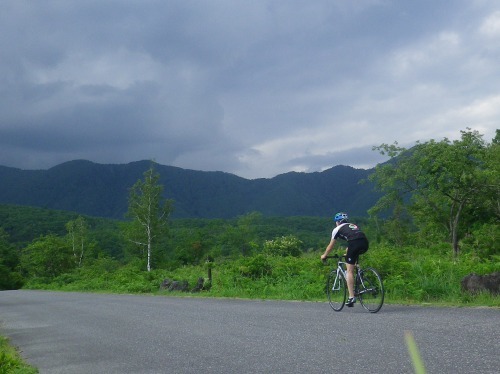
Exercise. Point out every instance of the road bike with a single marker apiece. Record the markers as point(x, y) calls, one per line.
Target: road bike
point(368, 286)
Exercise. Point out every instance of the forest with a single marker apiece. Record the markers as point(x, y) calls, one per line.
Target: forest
point(436, 222)
point(101, 190)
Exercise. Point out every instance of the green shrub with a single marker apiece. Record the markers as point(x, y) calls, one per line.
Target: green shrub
point(11, 362)
point(255, 267)
point(284, 246)
point(410, 274)
point(483, 241)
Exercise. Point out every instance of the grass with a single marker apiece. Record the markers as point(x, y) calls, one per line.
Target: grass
point(11, 361)
point(410, 275)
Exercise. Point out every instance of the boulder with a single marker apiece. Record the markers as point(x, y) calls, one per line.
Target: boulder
point(179, 286)
point(199, 285)
point(474, 283)
point(165, 284)
point(173, 285)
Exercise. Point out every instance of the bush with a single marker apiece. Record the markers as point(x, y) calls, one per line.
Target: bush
point(284, 246)
point(255, 267)
point(484, 241)
point(410, 274)
point(11, 361)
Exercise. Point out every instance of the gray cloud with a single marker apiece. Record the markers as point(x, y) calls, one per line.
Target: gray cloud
point(252, 88)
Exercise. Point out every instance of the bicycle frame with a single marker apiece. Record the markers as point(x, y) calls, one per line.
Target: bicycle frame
point(342, 267)
point(364, 288)
point(336, 285)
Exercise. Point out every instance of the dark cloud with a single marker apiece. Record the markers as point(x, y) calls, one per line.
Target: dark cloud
point(252, 88)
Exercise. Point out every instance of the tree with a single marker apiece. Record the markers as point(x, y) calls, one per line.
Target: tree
point(242, 237)
point(149, 213)
point(492, 170)
point(77, 233)
point(47, 256)
point(10, 279)
point(438, 182)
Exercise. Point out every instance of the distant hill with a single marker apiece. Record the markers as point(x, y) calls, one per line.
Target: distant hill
point(102, 190)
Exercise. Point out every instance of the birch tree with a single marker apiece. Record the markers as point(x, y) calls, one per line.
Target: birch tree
point(149, 212)
point(77, 233)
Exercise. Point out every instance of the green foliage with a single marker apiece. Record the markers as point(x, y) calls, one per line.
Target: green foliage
point(270, 277)
point(24, 224)
point(484, 240)
point(265, 268)
point(444, 187)
point(284, 246)
point(103, 275)
point(10, 360)
point(77, 235)
point(241, 235)
point(47, 256)
point(255, 267)
point(425, 274)
point(149, 213)
point(410, 275)
point(10, 279)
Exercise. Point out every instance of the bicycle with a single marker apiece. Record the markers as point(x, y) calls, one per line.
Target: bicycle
point(368, 287)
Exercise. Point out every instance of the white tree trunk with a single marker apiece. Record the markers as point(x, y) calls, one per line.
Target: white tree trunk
point(149, 248)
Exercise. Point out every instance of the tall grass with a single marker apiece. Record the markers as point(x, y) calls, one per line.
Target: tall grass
point(10, 360)
point(410, 275)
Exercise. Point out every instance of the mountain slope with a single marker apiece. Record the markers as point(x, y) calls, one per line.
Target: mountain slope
point(102, 190)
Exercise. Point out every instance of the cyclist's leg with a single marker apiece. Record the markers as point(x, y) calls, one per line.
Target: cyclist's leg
point(350, 279)
point(354, 249)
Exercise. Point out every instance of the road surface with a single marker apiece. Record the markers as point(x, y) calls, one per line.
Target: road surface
point(95, 333)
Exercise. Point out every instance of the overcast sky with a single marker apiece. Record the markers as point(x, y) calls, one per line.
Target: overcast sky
point(254, 88)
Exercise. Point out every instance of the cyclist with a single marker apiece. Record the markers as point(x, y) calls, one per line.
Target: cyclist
point(357, 244)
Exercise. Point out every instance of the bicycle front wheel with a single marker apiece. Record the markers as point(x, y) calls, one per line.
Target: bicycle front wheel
point(370, 290)
point(336, 288)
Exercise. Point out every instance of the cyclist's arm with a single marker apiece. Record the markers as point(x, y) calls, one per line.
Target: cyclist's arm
point(328, 248)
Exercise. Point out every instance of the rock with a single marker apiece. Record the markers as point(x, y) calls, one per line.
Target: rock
point(474, 283)
point(165, 284)
point(173, 285)
point(179, 286)
point(199, 285)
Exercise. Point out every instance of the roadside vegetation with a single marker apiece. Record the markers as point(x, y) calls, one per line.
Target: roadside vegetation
point(11, 362)
point(411, 275)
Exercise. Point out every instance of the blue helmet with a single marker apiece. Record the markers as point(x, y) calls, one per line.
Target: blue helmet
point(339, 217)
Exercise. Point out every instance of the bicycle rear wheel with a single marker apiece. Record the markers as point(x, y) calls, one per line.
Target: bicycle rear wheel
point(336, 287)
point(370, 290)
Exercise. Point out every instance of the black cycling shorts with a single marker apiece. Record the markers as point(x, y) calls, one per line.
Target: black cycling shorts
point(355, 248)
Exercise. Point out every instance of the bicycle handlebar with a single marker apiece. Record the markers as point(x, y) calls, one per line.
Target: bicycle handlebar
point(335, 256)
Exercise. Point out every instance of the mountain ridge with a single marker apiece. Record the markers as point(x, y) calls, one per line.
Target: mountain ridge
point(102, 190)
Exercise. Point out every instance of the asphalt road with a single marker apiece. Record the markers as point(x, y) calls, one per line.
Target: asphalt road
point(88, 333)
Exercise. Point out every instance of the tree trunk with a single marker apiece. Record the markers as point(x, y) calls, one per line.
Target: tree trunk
point(454, 229)
point(149, 249)
point(81, 254)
